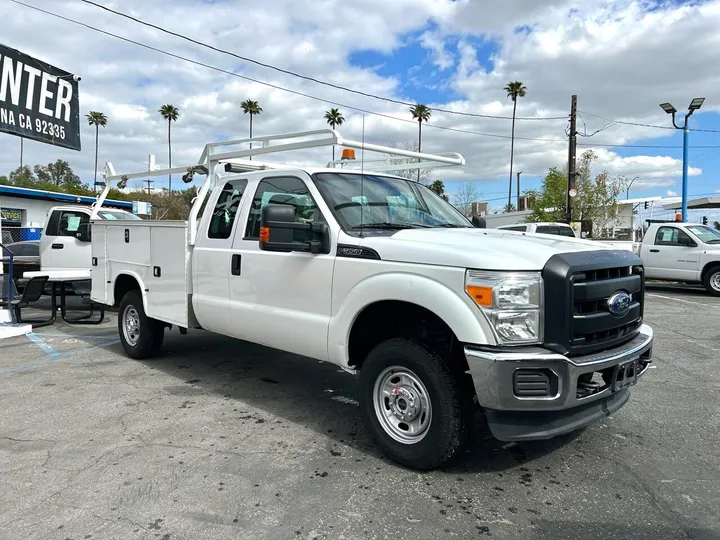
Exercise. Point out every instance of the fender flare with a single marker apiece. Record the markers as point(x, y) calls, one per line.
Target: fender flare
point(141, 284)
point(460, 314)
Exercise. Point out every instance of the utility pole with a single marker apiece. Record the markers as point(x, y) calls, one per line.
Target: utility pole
point(518, 191)
point(572, 152)
point(22, 140)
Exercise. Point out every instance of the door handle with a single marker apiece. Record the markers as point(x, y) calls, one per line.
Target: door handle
point(235, 264)
point(654, 251)
point(58, 246)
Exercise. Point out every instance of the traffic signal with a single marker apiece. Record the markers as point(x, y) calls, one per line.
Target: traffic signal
point(704, 220)
point(646, 205)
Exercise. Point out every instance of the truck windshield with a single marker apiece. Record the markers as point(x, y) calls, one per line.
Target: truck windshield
point(116, 214)
point(707, 235)
point(381, 202)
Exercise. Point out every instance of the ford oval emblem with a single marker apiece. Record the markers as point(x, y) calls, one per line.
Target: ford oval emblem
point(619, 304)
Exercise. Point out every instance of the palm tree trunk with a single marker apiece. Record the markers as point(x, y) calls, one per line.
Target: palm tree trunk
point(333, 127)
point(251, 115)
point(97, 135)
point(419, 146)
point(512, 151)
point(169, 160)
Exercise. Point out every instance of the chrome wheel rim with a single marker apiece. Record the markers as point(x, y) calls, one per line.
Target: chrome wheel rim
point(131, 325)
point(402, 405)
point(715, 281)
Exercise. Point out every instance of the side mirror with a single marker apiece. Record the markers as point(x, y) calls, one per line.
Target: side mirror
point(479, 222)
point(277, 231)
point(83, 233)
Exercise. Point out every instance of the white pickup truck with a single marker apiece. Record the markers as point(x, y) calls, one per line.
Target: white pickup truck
point(686, 252)
point(378, 275)
point(65, 241)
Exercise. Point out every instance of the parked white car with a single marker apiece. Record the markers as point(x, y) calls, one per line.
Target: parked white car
point(687, 252)
point(65, 241)
point(555, 228)
point(380, 276)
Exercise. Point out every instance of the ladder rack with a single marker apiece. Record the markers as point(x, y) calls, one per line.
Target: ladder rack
point(211, 160)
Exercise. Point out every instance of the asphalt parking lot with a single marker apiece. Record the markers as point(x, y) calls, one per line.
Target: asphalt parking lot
point(221, 439)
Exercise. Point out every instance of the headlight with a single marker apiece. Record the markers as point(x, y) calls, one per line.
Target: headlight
point(512, 302)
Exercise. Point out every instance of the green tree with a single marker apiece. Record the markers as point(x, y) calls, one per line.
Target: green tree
point(514, 90)
point(96, 119)
point(438, 187)
point(596, 198)
point(59, 173)
point(252, 108)
point(334, 118)
point(23, 177)
point(421, 113)
point(171, 114)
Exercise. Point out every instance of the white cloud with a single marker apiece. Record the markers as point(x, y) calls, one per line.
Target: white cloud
point(671, 193)
point(616, 57)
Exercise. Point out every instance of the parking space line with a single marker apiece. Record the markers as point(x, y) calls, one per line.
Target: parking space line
point(40, 342)
point(52, 354)
point(75, 336)
point(682, 300)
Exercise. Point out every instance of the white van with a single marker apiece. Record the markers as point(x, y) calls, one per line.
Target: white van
point(560, 229)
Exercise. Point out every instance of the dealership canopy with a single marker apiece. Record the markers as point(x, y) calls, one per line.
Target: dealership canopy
point(38, 101)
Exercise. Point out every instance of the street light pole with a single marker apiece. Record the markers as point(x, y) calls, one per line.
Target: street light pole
point(627, 191)
point(695, 104)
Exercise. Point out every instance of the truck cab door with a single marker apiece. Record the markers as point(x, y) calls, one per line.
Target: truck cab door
point(673, 255)
point(212, 259)
point(279, 299)
point(65, 243)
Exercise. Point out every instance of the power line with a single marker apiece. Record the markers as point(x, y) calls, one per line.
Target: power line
point(337, 103)
point(639, 124)
point(305, 77)
point(277, 87)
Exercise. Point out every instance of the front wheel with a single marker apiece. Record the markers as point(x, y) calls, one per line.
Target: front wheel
point(414, 404)
point(711, 281)
point(141, 336)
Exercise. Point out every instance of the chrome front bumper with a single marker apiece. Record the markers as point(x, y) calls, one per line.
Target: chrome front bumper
point(565, 408)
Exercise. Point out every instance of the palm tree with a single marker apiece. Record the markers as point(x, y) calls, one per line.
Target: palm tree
point(169, 113)
point(334, 118)
point(96, 119)
point(421, 113)
point(514, 90)
point(252, 108)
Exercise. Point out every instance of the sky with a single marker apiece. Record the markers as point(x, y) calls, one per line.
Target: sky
point(621, 58)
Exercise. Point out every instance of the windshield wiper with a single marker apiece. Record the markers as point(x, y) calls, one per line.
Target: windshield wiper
point(451, 226)
point(389, 226)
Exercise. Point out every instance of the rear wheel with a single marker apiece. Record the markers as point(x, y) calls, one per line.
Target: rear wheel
point(141, 336)
point(711, 281)
point(414, 403)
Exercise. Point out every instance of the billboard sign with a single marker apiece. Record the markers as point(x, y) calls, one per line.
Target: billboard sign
point(38, 101)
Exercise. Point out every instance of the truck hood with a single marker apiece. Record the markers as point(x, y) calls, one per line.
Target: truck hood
point(490, 249)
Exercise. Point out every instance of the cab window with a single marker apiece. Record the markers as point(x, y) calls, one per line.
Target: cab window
point(226, 208)
point(287, 190)
point(70, 222)
point(670, 236)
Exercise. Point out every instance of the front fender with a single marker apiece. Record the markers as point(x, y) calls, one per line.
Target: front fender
point(460, 314)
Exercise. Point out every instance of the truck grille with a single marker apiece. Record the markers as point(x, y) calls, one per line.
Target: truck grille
point(578, 287)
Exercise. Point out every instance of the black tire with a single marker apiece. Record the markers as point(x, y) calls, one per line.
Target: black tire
point(148, 340)
point(711, 280)
point(451, 411)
